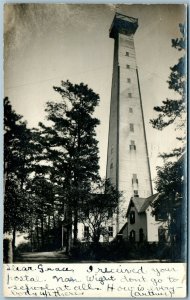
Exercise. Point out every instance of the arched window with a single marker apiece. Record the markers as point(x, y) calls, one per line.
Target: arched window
point(132, 236)
point(132, 217)
point(141, 235)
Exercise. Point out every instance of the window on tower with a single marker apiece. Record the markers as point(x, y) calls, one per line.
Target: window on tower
point(134, 179)
point(127, 53)
point(129, 80)
point(129, 95)
point(111, 166)
point(132, 146)
point(128, 66)
point(136, 193)
point(131, 125)
point(130, 110)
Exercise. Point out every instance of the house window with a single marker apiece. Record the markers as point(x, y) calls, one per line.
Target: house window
point(130, 110)
point(128, 66)
point(132, 146)
point(136, 193)
point(129, 95)
point(127, 53)
point(129, 80)
point(132, 217)
point(86, 232)
point(131, 127)
point(141, 235)
point(132, 236)
point(110, 231)
point(111, 166)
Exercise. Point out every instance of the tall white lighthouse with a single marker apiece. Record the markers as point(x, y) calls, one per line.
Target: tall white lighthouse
point(127, 158)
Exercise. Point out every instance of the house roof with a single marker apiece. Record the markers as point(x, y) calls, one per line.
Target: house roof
point(141, 204)
point(148, 201)
point(122, 228)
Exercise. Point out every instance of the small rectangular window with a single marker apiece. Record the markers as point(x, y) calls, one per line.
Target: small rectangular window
point(129, 80)
point(129, 95)
point(130, 110)
point(136, 193)
point(128, 66)
point(127, 53)
point(134, 179)
point(132, 145)
point(131, 127)
point(111, 166)
point(110, 231)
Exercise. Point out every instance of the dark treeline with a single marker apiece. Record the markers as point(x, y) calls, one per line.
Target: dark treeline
point(171, 181)
point(51, 171)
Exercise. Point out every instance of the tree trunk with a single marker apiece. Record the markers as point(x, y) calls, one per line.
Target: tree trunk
point(37, 235)
point(14, 239)
point(69, 240)
point(42, 233)
point(75, 231)
point(69, 230)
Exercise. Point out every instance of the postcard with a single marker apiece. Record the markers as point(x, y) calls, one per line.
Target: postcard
point(95, 160)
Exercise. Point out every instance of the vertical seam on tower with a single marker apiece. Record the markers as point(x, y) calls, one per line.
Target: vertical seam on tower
point(118, 119)
point(144, 130)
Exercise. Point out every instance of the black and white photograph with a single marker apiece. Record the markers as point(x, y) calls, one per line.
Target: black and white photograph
point(95, 133)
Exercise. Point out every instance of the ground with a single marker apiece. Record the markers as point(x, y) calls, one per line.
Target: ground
point(61, 257)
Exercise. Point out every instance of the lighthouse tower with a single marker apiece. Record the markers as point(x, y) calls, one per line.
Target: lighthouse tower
point(127, 158)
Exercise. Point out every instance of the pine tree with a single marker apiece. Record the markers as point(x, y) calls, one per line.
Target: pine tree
point(170, 182)
point(17, 167)
point(173, 111)
point(72, 146)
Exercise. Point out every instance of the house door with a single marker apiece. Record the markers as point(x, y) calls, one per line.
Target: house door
point(141, 235)
point(132, 236)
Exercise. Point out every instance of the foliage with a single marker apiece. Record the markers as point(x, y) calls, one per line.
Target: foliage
point(121, 250)
point(98, 208)
point(170, 178)
point(71, 145)
point(18, 153)
point(173, 111)
point(170, 185)
point(49, 170)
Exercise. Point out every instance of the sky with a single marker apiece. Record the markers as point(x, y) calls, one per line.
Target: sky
point(47, 43)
